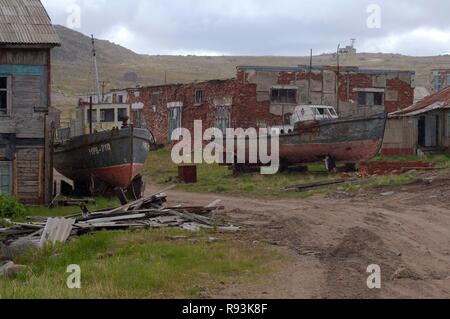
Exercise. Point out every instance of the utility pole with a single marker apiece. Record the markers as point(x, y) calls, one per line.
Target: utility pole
point(337, 78)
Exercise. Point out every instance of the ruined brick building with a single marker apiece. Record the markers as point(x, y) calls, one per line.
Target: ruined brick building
point(267, 96)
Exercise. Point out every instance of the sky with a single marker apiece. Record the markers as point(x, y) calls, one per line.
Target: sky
point(261, 27)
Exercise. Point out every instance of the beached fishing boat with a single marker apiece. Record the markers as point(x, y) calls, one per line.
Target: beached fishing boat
point(317, 134)
point(115, 157)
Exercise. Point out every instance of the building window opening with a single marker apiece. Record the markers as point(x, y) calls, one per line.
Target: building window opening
point(107, 115)
point(121, 114)
point(199, 97)
point(370, 98)
point(4, 107)
point(284, 96)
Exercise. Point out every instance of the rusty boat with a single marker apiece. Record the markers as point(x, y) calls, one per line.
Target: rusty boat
point(317, 134)
point(115, 157)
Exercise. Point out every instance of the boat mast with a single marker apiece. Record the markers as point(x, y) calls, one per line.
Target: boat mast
point(309, 77)
point(337, 78)
point(94, 60)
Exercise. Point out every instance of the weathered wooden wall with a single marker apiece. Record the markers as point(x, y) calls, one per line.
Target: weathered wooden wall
point(29, 71)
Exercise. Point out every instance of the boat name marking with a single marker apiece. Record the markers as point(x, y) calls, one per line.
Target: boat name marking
point(97, 150)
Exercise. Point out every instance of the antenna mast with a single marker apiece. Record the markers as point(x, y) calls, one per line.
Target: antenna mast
point(94, 59)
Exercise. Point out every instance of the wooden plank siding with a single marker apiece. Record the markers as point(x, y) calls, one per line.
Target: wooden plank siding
point(29, 74)
point(30, 171)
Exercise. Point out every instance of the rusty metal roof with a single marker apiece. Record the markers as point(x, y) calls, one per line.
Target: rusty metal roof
point(436, 101)
point(26, 22)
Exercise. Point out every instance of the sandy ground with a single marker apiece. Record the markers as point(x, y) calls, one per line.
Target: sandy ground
point(332, 239)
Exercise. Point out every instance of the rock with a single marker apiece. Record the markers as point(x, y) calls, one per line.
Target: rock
point(387, 194)
point(19, 248)
point(213, 239)
point(10, 269)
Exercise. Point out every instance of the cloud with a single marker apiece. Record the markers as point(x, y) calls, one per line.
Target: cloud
point(262, 27)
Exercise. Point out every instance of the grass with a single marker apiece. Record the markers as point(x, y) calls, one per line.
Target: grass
point(440, 160)
point(217, 179)
point(100, 203)
point(142, 264)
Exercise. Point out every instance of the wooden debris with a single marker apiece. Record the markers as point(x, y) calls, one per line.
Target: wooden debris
point(147, 212)
point(307, 186)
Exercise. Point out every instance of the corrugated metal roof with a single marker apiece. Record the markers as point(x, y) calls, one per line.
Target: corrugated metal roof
point(439, 100)
point(26, 22)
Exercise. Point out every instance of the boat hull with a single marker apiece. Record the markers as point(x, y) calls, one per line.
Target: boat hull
point(349, 140)
point(346, 140)
point(115, 157)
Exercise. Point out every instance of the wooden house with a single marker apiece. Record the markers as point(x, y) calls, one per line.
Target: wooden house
point(26, 40)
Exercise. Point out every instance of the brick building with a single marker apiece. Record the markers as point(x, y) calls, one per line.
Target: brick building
point(267, 96)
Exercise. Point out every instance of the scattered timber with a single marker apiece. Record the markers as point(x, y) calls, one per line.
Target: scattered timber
point(308, 186)
point(150, 212)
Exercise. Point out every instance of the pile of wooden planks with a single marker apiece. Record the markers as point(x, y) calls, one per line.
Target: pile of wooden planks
point(148, 212)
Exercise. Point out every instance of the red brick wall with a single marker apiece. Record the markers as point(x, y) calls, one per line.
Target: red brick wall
point(157, 118)
point(246, 111)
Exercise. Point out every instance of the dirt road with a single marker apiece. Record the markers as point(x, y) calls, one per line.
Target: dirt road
point(332, 239)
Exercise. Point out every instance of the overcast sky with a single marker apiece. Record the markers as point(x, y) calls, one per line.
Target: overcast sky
point(261, 27)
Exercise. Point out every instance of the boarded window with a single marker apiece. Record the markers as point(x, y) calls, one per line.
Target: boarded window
point(121, 114)
point(370, 98)
point(174, 120)
point(4, 96)
point(107, 115)
point(155, 99)
point(199, 97)
point(5, 178)
point(284, 96)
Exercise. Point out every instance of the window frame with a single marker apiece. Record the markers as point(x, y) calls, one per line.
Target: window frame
point(437, 83)
point(118, 113)
point(370, 98)
point(8, 96)
point(199, 97)
point(448, 80)
point(155, 99)
point(10, 186)
point(278, 99)
point(102, 111)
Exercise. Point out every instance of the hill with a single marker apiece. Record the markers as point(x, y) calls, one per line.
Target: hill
point(121, 67)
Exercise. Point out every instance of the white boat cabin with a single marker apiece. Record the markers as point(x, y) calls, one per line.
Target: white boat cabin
point(305, 113)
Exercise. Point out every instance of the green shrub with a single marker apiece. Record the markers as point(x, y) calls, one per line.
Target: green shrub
point(10, 208)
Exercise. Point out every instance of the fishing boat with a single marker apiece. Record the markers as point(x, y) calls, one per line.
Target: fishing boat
point(317, 133)
point(103, 159)
point(115, 157)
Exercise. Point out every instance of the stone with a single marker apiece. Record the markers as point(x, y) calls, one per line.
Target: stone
point(10, 269)
point(19, 248)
